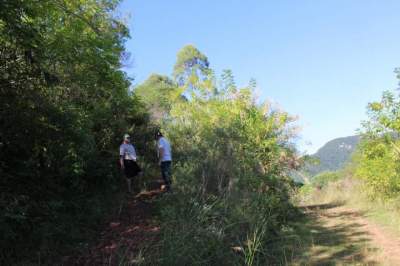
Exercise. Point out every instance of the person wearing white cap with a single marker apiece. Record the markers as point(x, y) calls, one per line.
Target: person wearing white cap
point(165, 159)
point(127, 161)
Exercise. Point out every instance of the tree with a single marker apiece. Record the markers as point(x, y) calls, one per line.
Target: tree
point(378, 155)
point(65, 104)
point(232, 159)
point(228, 81)
point(191, 68)
point(159, 93)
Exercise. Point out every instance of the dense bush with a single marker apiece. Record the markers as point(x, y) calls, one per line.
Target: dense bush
point(378, 155)
point(231, 161)
point(64, 106)
point(322, 179)
point(378, 165)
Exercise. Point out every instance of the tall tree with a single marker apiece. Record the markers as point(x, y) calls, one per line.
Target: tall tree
point(228, 81)
point(191, 68)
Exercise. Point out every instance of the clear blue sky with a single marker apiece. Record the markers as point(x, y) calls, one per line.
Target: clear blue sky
point(320, 60)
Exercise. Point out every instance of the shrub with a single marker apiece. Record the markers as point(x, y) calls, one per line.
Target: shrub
point(322, 179)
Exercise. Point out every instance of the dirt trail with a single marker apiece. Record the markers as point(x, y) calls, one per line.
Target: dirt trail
point(342, 236)
point(125, 236)
point(331, 234)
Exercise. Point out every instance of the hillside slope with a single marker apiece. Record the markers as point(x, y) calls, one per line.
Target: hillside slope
point(334, 155)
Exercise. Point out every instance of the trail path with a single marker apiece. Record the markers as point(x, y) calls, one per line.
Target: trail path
point(342, 236)
point(330, 235)
point(125, 236)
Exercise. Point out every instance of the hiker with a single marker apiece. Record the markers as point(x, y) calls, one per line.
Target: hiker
point(127, 155)
point(165, 159)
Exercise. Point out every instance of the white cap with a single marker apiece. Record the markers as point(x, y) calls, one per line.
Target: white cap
point(126, 136)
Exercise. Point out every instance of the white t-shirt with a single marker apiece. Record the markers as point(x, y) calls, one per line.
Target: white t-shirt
point(127, 151)
point(164, 144)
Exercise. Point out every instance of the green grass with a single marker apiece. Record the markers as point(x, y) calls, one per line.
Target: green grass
point(331, 233)
point(313, 240)
point(352, 194)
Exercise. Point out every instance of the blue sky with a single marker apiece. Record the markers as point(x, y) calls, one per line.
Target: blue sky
point(320, 60)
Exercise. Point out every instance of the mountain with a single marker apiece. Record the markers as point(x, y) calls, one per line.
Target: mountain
point(333, 155)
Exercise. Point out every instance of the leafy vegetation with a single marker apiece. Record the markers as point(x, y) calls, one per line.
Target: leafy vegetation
point(321, 180)
point(378, 156)
point(65, 105)
point(368, 186)
point(231, 159)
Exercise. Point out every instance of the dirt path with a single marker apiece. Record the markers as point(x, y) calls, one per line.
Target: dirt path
point(342, 236)
point(329, 234)
point(125, 237)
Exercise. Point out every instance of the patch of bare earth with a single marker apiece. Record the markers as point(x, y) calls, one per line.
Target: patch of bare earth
point(125, 236)
point(347, 237)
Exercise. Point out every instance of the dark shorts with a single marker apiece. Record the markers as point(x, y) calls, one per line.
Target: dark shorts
point(132, 169)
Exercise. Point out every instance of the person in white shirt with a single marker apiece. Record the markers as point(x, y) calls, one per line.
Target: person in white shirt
point(165, 158)
point(127, 155)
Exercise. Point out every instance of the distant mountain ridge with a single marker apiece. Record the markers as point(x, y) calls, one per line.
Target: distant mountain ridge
point(333, 155)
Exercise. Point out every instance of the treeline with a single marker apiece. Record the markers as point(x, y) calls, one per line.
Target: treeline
point(377, 160)
point(65, 104)
point(231, 160)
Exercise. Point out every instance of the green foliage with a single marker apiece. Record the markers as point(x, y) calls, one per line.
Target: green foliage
point(192, 72)
point(378, 164)
point(232, 158)
point(322, 179)
point(228, 81)
point(377, 159)
point(317, 185)
point(233, 137)
point(203, 226)
point(306, 190)
point(190, 62)
point(200, 230)
point(159, 93)
point(65, 105)
point(384, 116)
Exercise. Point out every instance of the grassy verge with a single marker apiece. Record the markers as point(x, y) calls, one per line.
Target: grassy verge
point(331, 230)
point(351, 193)
point(318, 239)
point(218, 231)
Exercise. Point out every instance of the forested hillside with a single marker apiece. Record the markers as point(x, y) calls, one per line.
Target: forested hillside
point(333, 155)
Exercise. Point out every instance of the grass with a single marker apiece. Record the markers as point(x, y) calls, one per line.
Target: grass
point(351, 193)
point(333, 230)
point(317, 239)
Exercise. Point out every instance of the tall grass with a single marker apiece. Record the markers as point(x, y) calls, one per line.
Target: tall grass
point(216, 230)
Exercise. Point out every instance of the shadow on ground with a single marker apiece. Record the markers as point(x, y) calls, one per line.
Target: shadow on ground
point(322, 236)
point(125, 236)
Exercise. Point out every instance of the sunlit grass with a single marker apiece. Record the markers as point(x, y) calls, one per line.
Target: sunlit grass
point(350, 195)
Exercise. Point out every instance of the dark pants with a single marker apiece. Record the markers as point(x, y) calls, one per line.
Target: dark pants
point(166, 173)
